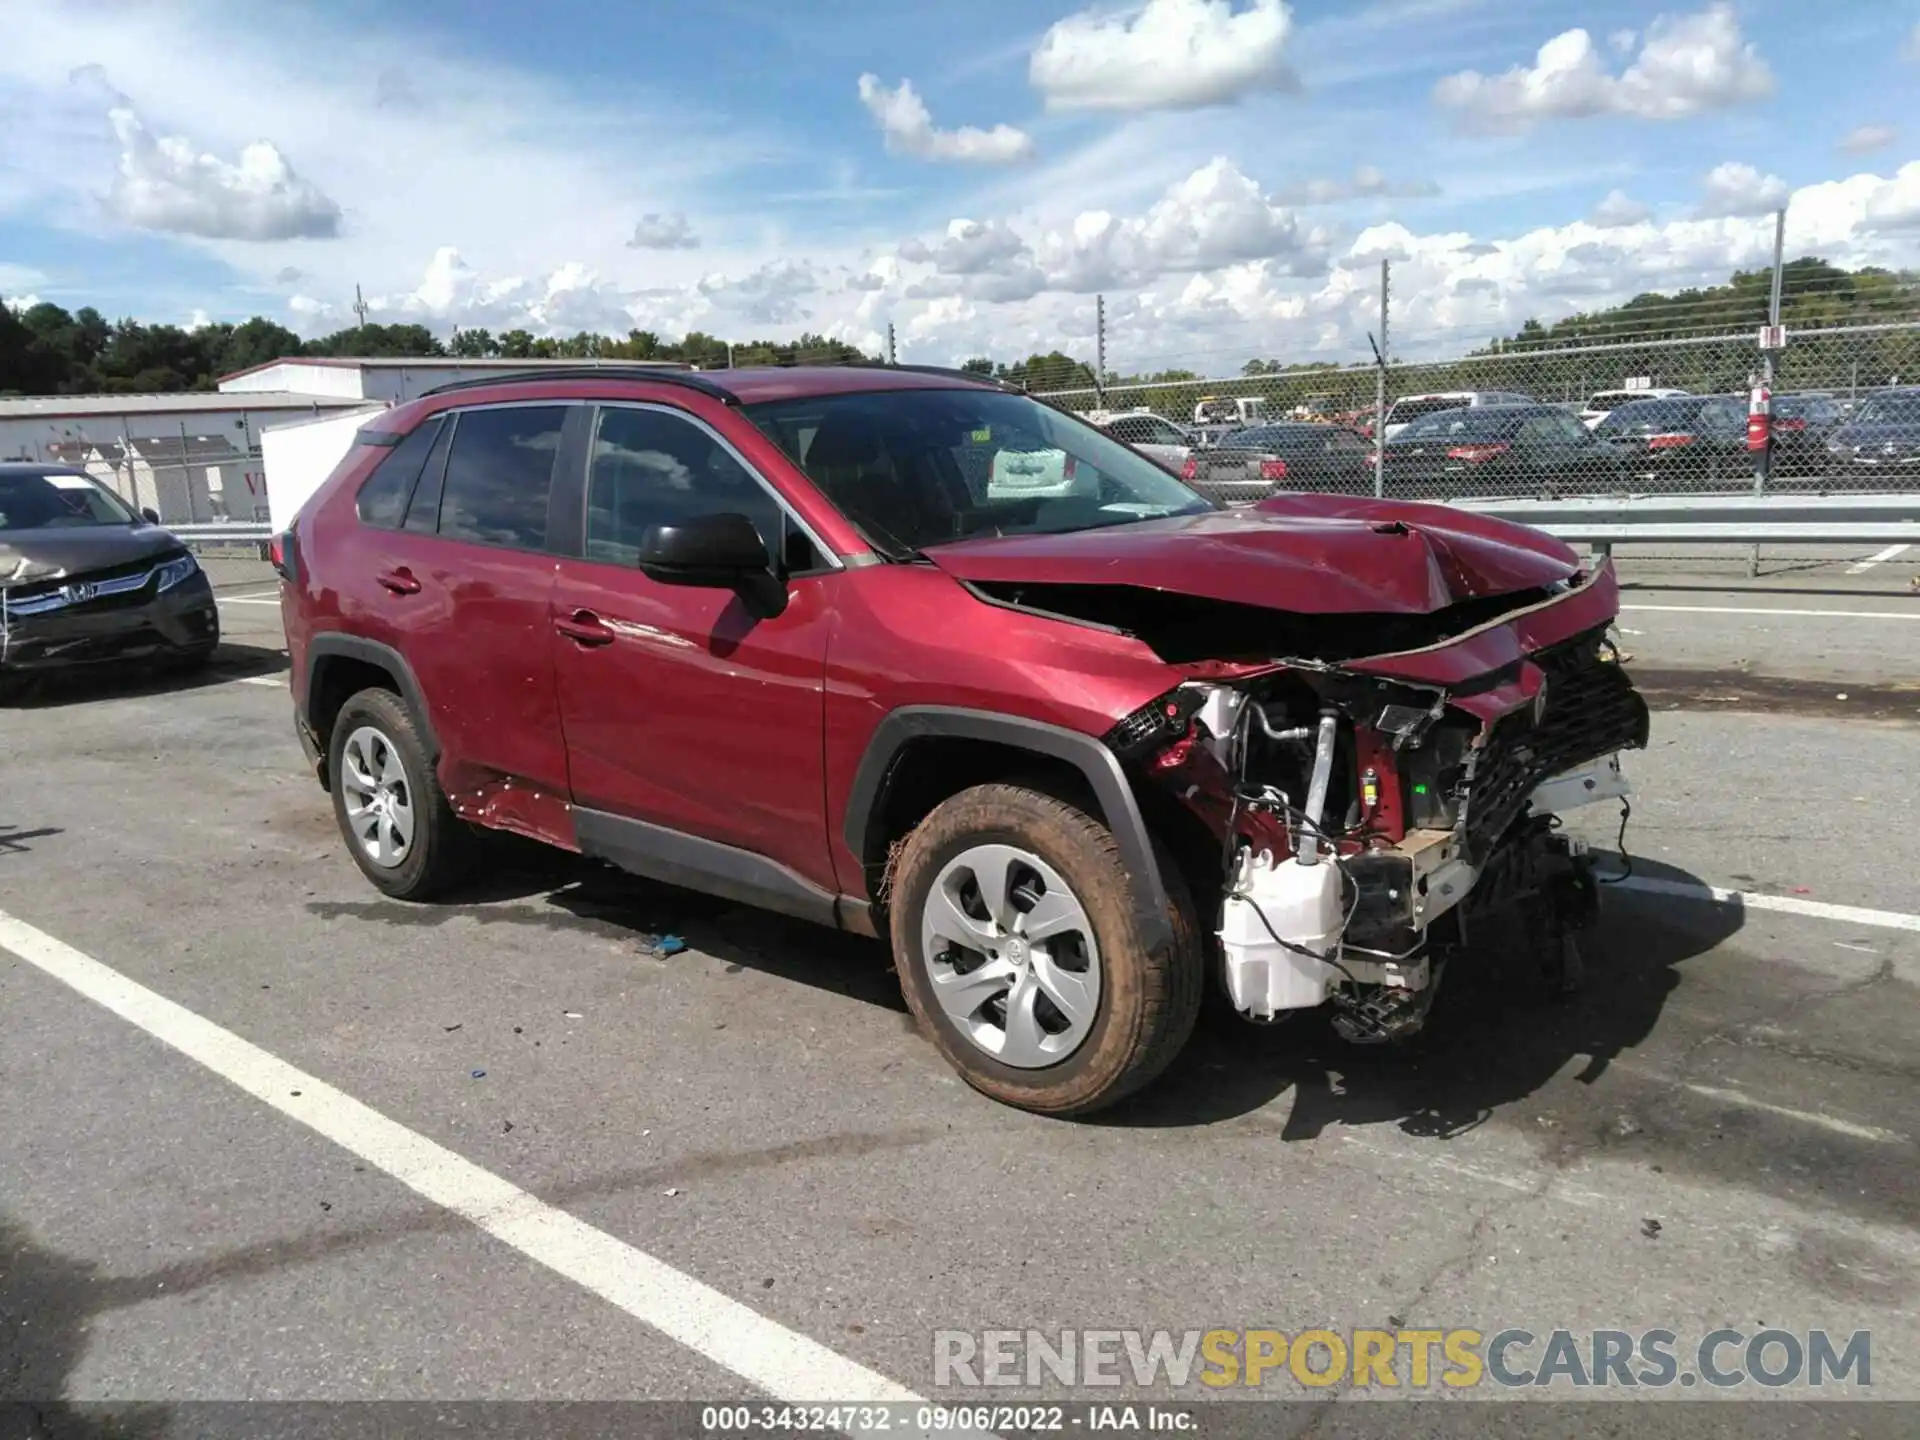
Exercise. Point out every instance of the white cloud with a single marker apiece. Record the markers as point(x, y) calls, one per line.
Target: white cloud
point(1735, 189)
point(289, 275)
point(1166, 54)
point(663, 232)
point(1214, 217)
point(909, 129)
point(1687, 65)
point(1866, 138)
point(1618, 210)
point(1912, 51)
point(1204, 277)
point(15, 279)
point(165, 183)
point(1367, 182)
point(767, 295)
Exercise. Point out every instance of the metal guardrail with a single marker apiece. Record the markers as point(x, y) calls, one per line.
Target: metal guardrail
point(1717, 520)
point(235, 533)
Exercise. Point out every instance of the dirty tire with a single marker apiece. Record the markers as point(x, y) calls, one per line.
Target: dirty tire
point(1148, 1000)
point(443, 845)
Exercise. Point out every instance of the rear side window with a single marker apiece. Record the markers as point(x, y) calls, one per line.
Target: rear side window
point(499, 473)
point(382, 501)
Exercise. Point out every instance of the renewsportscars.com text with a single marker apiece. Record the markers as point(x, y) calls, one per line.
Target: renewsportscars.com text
point(1401, 1359)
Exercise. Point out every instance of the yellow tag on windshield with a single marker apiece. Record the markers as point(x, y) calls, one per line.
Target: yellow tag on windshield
point(983, 436)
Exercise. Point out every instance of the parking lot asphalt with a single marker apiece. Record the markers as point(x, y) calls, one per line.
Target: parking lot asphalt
point(1722, 1129)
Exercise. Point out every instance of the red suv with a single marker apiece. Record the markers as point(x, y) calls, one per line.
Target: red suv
point(1079, 747)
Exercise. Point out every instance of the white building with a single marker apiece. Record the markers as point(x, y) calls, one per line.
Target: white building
point(196, 457)
point(176, 454)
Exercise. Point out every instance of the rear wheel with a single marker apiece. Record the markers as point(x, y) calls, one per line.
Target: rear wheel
point(1017, 950)
point(393, 815)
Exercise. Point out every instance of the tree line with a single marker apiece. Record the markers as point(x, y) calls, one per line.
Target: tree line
point(45, 350)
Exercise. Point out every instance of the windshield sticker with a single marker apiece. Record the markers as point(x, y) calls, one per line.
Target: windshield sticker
point(983, 436)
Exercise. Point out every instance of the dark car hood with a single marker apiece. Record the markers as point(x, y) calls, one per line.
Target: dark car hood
point(1313, 554)
point(73, 550)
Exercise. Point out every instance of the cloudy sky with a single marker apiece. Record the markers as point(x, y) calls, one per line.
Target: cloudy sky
point(1228, 173)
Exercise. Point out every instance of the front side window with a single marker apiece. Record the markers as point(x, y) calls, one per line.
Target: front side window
point(917, 468)
point(499, 474)
point(654, 468)
point(58, 502)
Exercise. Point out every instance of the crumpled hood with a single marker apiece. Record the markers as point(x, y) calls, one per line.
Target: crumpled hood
point(74, 550)
point(1311, 554)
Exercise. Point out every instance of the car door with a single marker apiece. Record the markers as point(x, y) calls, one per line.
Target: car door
point(463, 576)
point(686, 713)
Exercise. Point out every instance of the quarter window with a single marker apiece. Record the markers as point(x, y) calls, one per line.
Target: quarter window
point(382, 501)
point(499, 473)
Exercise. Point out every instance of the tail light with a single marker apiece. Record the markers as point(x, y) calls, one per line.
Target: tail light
point(1789, 424)
point(1476, 454)
point(1273, 469)
point(1190, 470)
point(1068, 470)
point(283, 553)
point(1668, 442)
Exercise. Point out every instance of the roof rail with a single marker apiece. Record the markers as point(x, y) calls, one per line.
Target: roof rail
point(947, 372)
point(644, 374)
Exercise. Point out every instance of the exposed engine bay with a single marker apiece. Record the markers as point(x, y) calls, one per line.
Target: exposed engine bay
point(1372, 828)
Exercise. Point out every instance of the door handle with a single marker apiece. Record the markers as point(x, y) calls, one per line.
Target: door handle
point(583, 627)
point(400, 581)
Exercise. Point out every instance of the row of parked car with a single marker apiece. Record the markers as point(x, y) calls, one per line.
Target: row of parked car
point(1500, 443)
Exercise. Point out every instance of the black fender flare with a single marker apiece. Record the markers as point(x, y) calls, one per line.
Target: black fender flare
point(1095, 761)
point(384, 657)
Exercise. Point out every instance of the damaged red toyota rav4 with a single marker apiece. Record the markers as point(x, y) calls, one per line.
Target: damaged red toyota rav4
point(914, 655)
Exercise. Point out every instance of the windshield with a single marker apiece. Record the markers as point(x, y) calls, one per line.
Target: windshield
point(1891, 410)
point(55, 501)
point(917, 468)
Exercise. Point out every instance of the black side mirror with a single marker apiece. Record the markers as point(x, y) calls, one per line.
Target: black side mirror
point(710, 550)
point(150, 515)
point(721, 552)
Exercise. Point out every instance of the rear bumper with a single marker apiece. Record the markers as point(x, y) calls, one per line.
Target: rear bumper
point(176, 623)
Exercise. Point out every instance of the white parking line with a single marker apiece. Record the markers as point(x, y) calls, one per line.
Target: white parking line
point(264, 598)
point(1890, 553)
point(1913, 614)
point(780, 1362)
point(278, 682)
point(1805, 1117)
point(1781, 904)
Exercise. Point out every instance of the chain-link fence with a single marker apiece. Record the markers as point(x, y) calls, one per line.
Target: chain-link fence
point(185, 479)
point(1651, 397)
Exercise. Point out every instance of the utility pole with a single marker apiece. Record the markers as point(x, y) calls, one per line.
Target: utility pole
point(360, 306)
point(1100, 350)
point(1380, 387)
point(893, 356)
point(1763, 457)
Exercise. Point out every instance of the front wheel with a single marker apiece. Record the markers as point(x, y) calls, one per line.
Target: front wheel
point(1014, 938)
point(393, 815)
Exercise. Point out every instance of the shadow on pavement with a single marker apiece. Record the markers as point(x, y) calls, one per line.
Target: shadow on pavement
point(1496, 1036)
point(85, 684)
